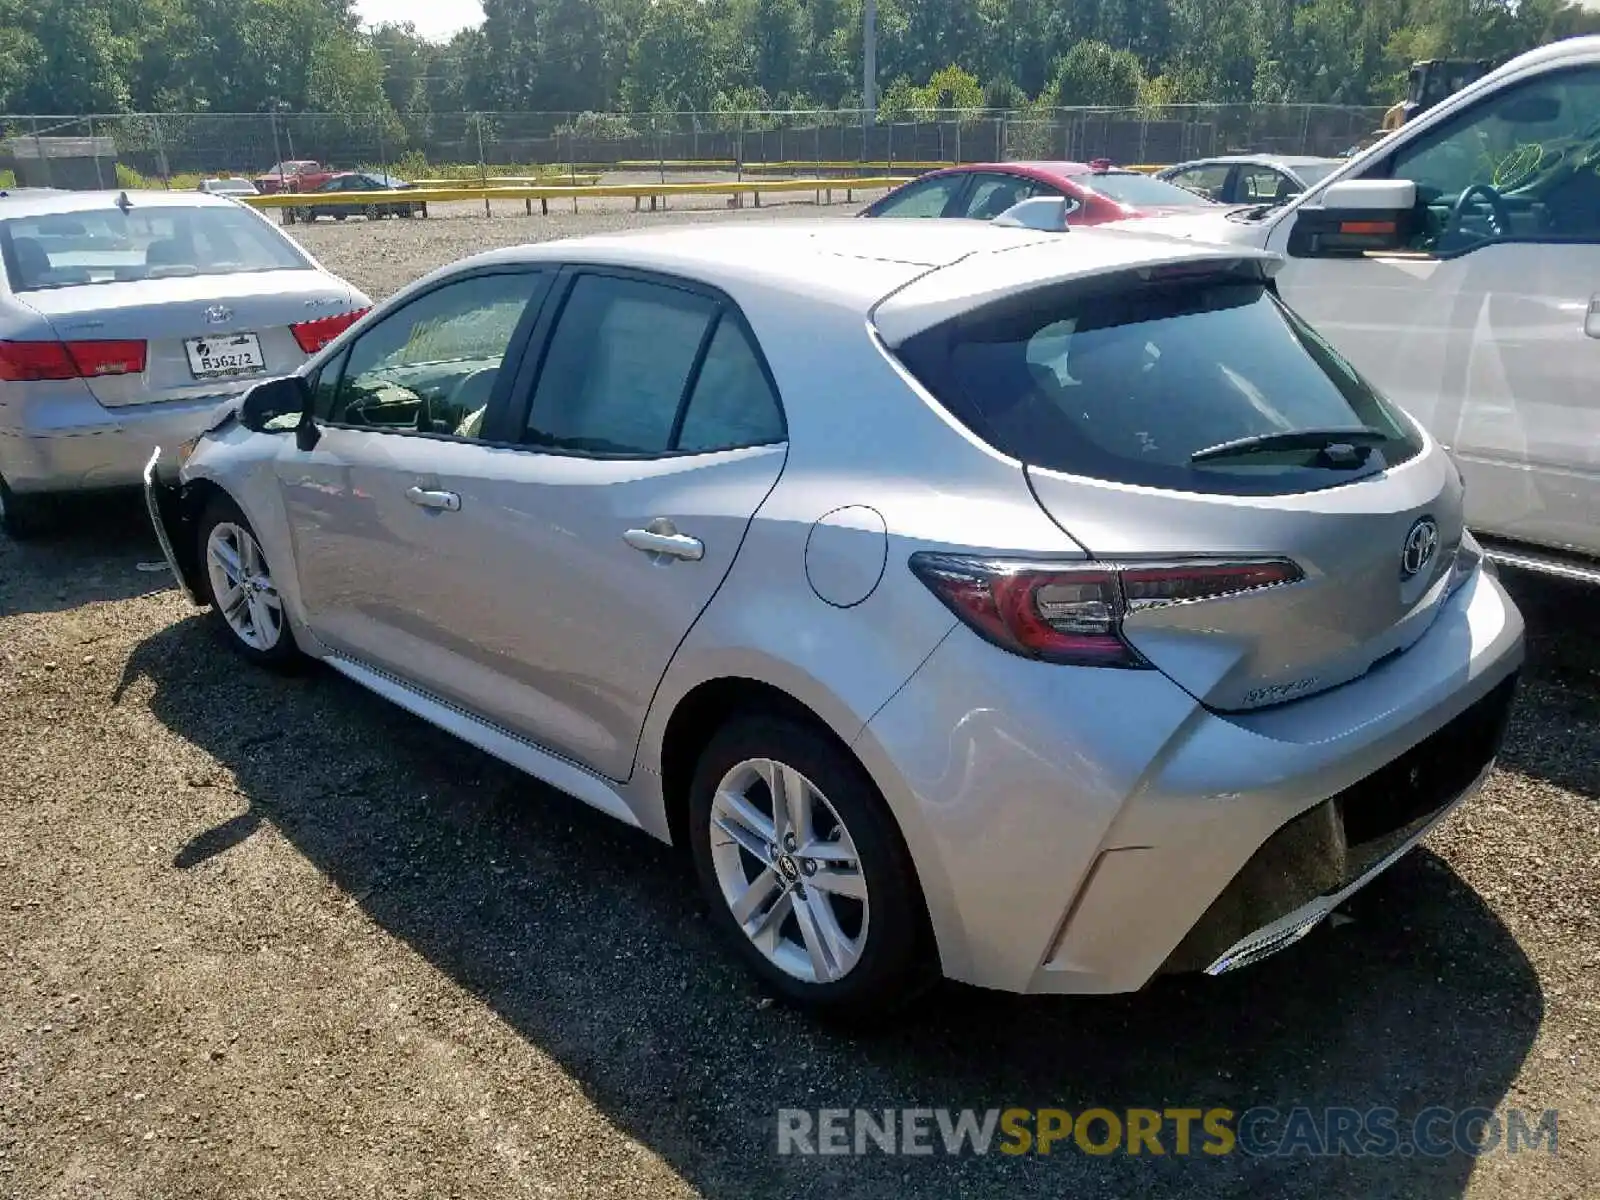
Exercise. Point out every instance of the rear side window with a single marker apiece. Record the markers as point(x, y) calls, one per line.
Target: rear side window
point(638, 369)
point(732, 405)
point(617, 367)
point(71, 249)
point(925, 198)
point(1128, 381)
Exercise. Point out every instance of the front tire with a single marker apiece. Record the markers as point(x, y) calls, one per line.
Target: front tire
point(245, 604)
point(805, 870)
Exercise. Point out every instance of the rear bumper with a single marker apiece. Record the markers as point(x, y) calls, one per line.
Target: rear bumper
point(63, 440)
point(1282, 932)
point(1080, 830)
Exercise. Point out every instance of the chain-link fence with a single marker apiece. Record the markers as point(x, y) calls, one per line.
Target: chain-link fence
point(129, 149)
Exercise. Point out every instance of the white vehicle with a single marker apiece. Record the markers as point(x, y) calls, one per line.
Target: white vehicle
point(1456, 264)
point(230, 186)
point(125, 318)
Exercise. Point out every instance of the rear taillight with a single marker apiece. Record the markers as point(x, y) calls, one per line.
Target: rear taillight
point(314, 335)
point(107, 358)
point(1072, 614)
point(29, 362)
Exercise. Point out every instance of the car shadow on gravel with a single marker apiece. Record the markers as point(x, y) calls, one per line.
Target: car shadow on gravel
point(1554, 735)
point(588, 940)
point(93, 554)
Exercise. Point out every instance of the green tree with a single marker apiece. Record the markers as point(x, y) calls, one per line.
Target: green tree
point(1092, 73)
point(672, 66)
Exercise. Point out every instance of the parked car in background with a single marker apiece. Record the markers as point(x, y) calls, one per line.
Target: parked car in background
point(367, 182)
point(1096, 192)
point(229, 186)
point(1049, 610)
point(1456, 264)
point(1251, 178)
point(125, 319)
point(293, 175)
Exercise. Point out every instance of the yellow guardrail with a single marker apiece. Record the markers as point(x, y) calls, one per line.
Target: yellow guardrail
point(728, 164)
point(544, 193)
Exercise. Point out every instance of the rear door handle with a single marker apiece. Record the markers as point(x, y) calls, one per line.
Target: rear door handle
point(662, 538)
point(445, 501)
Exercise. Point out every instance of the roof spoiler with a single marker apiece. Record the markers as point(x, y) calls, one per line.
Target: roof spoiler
point(1047, 214)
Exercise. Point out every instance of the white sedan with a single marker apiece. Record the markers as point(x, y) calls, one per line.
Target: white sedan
point(125, 317)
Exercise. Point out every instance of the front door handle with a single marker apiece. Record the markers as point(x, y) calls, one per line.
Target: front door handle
point(661, 538)
point(1591, 323)
point(444, 501)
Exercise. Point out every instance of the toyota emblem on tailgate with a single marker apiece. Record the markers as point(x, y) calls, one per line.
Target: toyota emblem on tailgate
point(1422, 543)
point(219, 314)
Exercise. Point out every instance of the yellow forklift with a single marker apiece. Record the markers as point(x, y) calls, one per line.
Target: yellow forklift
point(1431, 82)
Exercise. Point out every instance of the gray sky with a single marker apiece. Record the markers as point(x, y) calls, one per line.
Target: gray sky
point(435, 19)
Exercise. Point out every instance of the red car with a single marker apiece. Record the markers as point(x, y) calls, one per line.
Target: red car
point(982, 191)
point(296, 175)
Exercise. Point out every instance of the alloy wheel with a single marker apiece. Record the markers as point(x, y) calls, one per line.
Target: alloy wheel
point(788, 870)
point(242, 585)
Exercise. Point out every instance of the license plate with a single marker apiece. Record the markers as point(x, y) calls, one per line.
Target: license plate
point(222, 357)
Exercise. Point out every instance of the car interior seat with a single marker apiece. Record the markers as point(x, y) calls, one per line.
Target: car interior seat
point(998, 201)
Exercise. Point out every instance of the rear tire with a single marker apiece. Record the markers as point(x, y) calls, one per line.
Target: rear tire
point(24, 517)
point(840, 930)
point(237, 579)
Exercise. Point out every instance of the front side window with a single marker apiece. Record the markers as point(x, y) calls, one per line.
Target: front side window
point(925, 198)
point(1523, 163)
point(432, 366)
point(1145, 382)
point(72, 249)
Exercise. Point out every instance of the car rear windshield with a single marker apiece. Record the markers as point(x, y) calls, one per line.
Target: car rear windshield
point(57, 250)
point(1127, 379)
point(1130, 187)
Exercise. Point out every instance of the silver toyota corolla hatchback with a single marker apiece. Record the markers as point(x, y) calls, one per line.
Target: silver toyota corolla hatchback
point(1049, 612)
point(124, 317)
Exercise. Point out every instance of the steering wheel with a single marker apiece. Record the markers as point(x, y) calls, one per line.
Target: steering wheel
point(1479, 194)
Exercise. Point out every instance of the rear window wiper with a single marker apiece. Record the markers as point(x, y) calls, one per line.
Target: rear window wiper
point(1349, 446)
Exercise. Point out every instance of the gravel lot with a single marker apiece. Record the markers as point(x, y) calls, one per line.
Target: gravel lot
point(274, 938)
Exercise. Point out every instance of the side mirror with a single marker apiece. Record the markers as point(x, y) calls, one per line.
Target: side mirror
point(1354, 216)
point(269, 406)
point(1048, 214)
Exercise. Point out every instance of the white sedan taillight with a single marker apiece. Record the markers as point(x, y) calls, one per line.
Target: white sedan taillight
point(1071, 614)
point(313, 335)
point(30, 362)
